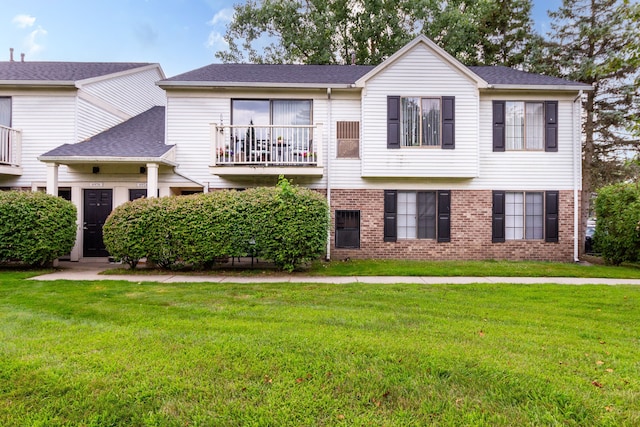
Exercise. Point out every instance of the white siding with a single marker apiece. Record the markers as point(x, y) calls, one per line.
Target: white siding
point(46, 121)
point(92, 120)
point(527, 170)
point(132, 93)
point(420, 73)
point(345, 173)
point(189, 119)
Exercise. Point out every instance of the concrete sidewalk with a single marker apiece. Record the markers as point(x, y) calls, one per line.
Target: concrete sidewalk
point(92, 271)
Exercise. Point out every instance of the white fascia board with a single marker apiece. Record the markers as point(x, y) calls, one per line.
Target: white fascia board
point(441, 53)
point(69, 160)
point(39, 83)
point(540, 87)
point(209, 85)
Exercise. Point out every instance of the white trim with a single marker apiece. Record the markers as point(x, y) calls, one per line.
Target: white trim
point(571, 88)
point(317, 171)
point(213, 84)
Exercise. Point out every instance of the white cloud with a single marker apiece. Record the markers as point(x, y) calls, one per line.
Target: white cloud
point(222, 17)
point(31, 42)
point(23, 21)
point(216, 41)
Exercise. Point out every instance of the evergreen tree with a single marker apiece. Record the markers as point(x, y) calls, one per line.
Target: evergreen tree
point(597, 42)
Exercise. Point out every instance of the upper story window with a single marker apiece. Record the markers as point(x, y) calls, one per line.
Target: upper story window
point(414, 121)
point(260, 112)
point(420, 118)
point(525, 126)
point(5, 111)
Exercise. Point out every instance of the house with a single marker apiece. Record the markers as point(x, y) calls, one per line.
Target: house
point(59, 125)
point(420, 157)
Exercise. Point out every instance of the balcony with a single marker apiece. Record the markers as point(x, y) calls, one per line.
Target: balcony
point(267, 150)
point(10, 151)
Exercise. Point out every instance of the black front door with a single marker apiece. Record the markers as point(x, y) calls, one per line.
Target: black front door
point(97, 207)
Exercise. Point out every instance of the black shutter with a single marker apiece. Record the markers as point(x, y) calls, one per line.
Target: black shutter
point(551, 126)
point(498, 221)
point(551, 216)
point(444, 216)
point(498, 125)
point(393, 122)
point(390, 216)
point(448, 122)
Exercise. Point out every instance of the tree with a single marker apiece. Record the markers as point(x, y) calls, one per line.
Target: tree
point(617, 233)
point(477, 32)
point(597, 42)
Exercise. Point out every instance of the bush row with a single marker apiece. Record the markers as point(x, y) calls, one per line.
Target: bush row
point(35, 228)
point(287, 225)
point(617, 235)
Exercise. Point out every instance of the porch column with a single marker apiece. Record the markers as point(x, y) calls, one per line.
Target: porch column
point(52, 178)
point(152, 180)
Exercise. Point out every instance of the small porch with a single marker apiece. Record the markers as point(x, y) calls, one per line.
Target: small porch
point(267, 150)
point(10, 151)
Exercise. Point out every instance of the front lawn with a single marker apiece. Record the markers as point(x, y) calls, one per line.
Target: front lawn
point(129, 354)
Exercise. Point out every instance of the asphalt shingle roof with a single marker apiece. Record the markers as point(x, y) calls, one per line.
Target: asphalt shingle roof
point(500, 75)
point(275, 73)
point(342, 74)
point(140, 136)
point(61, 71)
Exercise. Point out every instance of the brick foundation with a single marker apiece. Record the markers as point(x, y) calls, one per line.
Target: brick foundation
point(470, 231)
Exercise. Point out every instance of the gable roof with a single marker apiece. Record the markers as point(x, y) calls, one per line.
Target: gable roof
point(60, 73)
point(273, 75)
point(435, 49)
point(346, 76)
point(140, 138)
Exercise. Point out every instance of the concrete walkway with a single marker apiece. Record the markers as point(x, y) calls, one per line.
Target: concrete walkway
point(92, 271)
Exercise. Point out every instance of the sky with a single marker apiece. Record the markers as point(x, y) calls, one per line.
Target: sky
point(180, 35)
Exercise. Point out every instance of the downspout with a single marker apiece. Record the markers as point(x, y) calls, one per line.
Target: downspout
point(577, 151)
point(328, 163)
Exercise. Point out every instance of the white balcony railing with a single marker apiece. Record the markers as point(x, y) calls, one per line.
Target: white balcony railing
point(273, 145)
point(10, 146)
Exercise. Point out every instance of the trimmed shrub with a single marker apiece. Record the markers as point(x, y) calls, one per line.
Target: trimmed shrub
point(617, 235)
point(35, 228)
point(286, 225)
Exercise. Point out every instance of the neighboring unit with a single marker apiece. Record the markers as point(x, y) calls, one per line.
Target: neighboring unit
point(57, 126)
point(419, 157)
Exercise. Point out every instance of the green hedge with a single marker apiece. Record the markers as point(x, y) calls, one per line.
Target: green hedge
point(286, 225)
point(617, 235)
point(35, 228)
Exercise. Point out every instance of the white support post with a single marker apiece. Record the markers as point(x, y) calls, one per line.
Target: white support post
point(152, 180)
point(52, 178)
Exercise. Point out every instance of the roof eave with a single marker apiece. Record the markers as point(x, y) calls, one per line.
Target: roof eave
point(213, 84)
point(69, 160)
point(122, 73)
point(39, 83)
point(571, 88)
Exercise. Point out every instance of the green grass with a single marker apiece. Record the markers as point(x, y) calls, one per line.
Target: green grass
point(423, 268)
point(111, 353)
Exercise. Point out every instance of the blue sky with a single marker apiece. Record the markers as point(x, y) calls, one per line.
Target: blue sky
point(181, 35)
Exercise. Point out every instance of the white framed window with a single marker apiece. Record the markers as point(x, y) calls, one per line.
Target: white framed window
point(416, 215)
point(524, 215)
point(524, 125)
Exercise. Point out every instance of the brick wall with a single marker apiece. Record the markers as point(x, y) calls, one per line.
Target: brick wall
point(470, 231)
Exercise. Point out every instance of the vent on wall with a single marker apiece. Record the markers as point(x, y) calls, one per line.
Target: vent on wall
point(348, 136)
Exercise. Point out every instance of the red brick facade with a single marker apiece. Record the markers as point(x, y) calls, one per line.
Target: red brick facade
point(471, 222)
